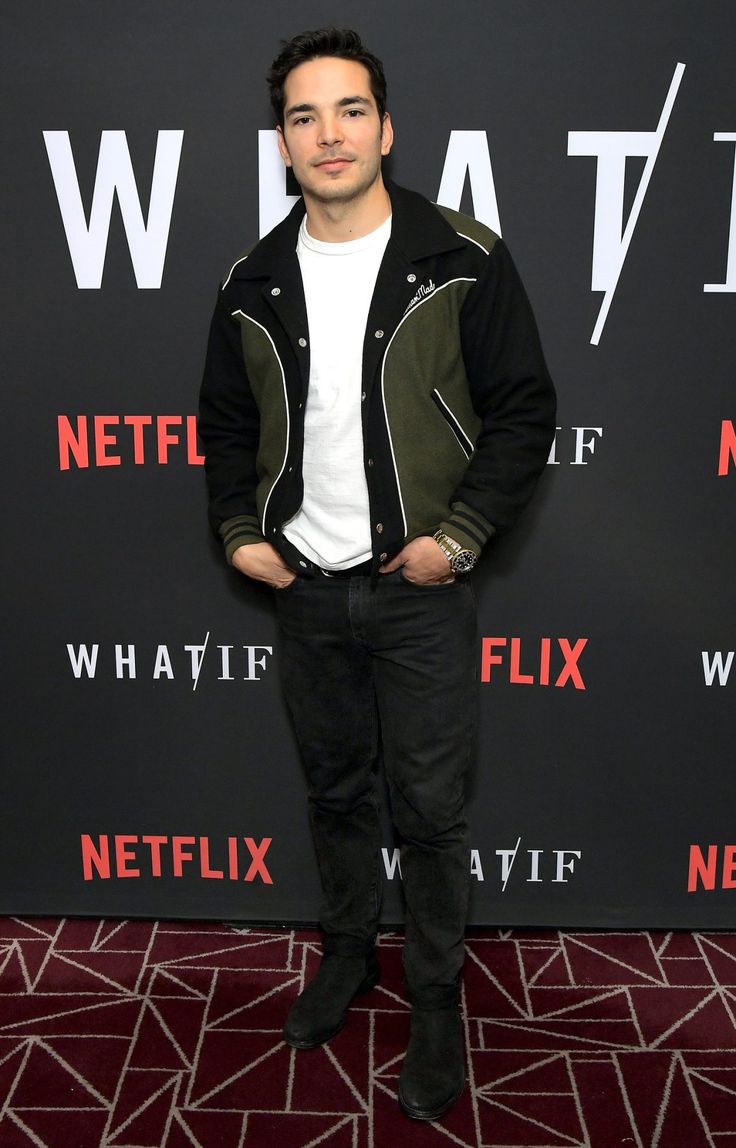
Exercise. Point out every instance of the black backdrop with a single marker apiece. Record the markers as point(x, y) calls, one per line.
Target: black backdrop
point(144, 735)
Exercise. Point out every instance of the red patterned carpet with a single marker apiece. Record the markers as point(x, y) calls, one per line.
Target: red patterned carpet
point(155, 1035)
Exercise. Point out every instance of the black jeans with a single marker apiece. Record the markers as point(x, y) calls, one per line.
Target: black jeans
point(392, 666)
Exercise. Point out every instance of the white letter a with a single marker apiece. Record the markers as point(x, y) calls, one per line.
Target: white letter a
point(467, 153)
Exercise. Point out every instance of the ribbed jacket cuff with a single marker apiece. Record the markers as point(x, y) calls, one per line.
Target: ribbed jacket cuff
point(468, 527)
point(243, 530)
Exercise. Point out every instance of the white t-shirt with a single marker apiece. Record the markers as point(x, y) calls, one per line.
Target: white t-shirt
point(332, 527)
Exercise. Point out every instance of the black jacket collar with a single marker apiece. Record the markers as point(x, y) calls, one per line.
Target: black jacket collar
point(418, 230)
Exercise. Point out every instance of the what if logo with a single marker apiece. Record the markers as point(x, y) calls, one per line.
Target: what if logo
point(230, 663)
point(611, 239)
point(147, 239)
point(535, 866)
point(467, 163)
point(611, 234)
point(573, 445)
point(717, 666)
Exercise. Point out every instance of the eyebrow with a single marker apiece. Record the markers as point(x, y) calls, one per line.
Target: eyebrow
point(346, 101)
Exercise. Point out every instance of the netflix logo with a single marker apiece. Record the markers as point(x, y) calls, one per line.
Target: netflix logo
point(150, 855)
point(727, 452)
point(112, 440)
point(544, 662)
point(715, 869)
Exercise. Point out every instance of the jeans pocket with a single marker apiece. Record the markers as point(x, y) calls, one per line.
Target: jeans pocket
point(433, 586)
point(286, 589)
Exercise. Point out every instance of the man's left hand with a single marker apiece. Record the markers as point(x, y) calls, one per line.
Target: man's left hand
point(422, 562)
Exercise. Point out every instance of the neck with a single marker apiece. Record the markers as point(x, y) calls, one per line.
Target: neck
point(339, 222)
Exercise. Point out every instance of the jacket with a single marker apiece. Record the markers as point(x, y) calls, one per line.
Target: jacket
point(458, 408)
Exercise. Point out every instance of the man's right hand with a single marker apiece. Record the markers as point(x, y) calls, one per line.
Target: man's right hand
point(263, 563)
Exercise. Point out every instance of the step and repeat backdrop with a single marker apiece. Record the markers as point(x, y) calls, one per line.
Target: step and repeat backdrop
point(149, 768)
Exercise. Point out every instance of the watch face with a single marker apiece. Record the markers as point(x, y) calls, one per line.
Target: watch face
point(463, 562)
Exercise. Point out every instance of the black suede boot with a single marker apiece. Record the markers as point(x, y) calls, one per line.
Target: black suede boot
point(433, 1073)
point(320, 1011)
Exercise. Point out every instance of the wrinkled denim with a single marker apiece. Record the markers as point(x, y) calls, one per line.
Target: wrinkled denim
point(389, 669)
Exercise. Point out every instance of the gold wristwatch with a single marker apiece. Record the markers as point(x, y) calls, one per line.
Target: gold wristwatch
point(460, 559)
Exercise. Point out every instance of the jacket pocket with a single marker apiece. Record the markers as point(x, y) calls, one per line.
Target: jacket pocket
point(463, 441)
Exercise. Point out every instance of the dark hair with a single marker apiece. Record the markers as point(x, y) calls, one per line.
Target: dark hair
point(341, 42)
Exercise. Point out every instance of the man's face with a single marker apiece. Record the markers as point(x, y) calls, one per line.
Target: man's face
point(332, 135)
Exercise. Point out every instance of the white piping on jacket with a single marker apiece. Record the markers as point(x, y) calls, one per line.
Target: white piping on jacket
point(229, 274)
point(435, 293)
point(455, 426)
point(286, 405)
point(475, 241)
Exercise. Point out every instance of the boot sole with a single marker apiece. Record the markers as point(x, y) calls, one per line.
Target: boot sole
point(364, 987)
point(430, 1113)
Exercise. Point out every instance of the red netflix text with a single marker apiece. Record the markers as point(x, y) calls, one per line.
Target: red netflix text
point(716, 871)
point(538, 663)
point(727, 453)
point(110, 440)
point(150, 855)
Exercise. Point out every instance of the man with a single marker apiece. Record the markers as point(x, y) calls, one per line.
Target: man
point(375, 406)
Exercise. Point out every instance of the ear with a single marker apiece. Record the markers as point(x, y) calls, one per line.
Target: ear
point(283, 149)
point(387, 134)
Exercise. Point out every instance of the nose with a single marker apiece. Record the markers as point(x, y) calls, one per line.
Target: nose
point(330, 133)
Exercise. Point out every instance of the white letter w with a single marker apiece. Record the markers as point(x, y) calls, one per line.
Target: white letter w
point(146, 241)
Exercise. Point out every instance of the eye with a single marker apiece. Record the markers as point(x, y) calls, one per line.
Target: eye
point(301, 120)
point(354, 112)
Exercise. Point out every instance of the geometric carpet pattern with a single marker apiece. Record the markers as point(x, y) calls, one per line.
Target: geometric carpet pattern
point(141, 1034)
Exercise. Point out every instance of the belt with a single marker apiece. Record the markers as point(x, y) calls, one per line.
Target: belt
point(362, 570)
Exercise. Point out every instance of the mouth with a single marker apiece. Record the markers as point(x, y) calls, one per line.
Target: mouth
point(334, 163)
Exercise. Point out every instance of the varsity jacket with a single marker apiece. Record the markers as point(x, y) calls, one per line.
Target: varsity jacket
point(458, 409)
